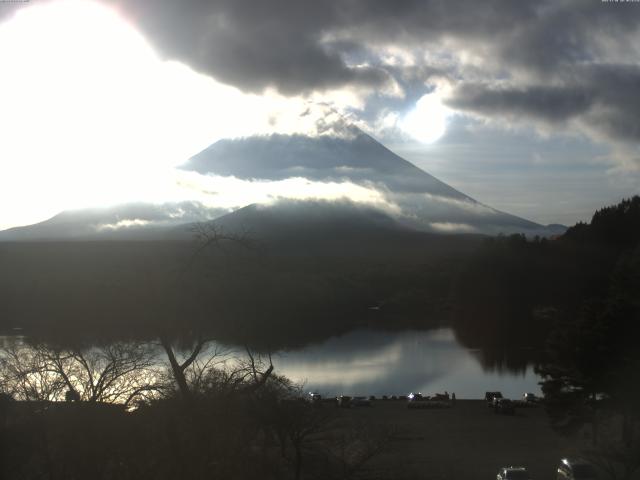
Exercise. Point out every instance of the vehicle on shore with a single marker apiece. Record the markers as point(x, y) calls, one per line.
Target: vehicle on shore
point(528, 400)
point(513, 473)
point(491, 397)
point(347, 401)
point(576, 469)
point(417, 400)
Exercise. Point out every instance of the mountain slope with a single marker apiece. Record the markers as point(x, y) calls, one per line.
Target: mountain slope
point(134, 221)
point(356, 157)
point(425, 202)
point(347, 169)
point(336, 229)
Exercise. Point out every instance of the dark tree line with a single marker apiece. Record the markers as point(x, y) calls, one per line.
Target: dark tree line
point(511, 291)
point(571, 305)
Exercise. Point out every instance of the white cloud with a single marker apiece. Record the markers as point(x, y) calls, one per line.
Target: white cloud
point(447, 227)
point(232, 193)
point(129, 223)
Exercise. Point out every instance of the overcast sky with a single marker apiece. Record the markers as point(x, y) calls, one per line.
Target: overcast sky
point(533, 106)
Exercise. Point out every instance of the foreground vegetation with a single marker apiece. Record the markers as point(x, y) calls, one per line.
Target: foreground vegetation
point(111, 412)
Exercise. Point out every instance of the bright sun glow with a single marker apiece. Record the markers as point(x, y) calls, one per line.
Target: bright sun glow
point(427, 122)
point(91, 116)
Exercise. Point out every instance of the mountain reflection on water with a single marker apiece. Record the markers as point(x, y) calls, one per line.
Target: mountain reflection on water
point(377, 362)
point(365, 362)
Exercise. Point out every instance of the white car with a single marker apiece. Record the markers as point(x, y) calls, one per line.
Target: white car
point(513, 473)
point(576, 469)
point(314, 398)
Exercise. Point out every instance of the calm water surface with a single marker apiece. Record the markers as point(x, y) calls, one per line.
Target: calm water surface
point(396, 363)
point(365, 362)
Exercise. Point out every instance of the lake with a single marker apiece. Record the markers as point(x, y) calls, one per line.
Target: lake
point(369, 362)
point(365, 362)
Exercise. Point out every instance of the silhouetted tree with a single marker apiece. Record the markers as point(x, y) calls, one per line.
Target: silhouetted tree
point(119, 373)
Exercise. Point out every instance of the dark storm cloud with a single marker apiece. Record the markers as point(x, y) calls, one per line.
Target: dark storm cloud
point(253, 45)
point(552, 104)
point(570, 32)
point(617, 109)
point(548, 61)
point(287, 44)
point(578, 61)
point(603, 97)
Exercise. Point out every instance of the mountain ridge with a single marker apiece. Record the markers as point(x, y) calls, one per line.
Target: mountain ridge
point(419, 200)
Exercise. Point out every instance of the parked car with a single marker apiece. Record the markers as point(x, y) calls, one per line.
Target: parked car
point(490, 396)
point(513, 473)
point(504, 406)
point(343, 401)
point(417, 400)
point(443, 397)
point(530, 398)
point(576, 469)
point(314, 398)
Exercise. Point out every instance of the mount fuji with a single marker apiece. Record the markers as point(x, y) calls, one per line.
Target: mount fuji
point(397, 195)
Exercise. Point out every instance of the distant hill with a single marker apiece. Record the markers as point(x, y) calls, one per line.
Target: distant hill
point(135, 221)
point(336, 229)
